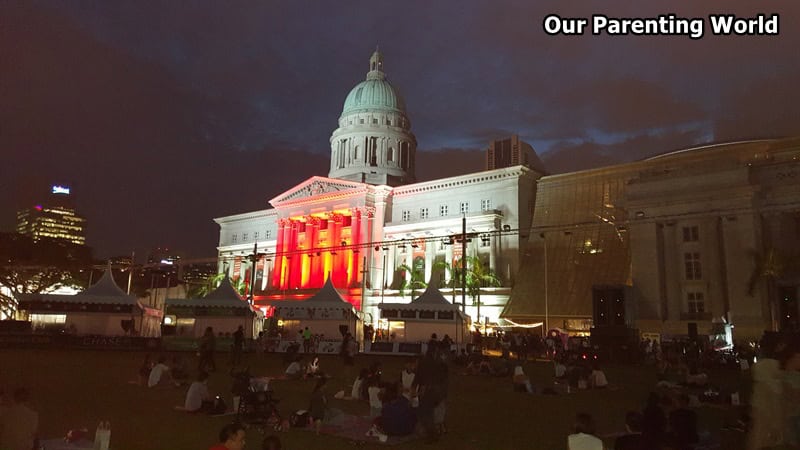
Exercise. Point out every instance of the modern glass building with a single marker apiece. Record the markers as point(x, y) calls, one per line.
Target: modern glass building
point(56, 219)
point(689, 238)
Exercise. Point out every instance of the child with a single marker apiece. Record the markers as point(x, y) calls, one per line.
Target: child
point(375, 404)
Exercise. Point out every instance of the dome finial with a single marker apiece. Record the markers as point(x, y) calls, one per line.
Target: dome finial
point(376, 64)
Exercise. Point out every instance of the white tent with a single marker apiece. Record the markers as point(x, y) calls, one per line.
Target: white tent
point(223, 309)
point(102, 309)
point(427, 314)
point(323, 313)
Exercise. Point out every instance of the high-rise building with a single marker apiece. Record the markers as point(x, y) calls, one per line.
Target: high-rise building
point(56, 218)
point(510, 152)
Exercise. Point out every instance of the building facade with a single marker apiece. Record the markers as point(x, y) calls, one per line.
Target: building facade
point(368, 227)
point(697, 236)
point(56, 218)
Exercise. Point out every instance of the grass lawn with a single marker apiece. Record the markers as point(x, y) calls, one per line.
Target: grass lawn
point(73, 389)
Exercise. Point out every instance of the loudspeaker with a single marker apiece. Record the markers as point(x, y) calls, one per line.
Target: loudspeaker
point(787, 307)
point(608, 306)
point(692, 330)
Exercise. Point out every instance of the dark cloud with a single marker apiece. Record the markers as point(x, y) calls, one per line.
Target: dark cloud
point(574, 156)
point(166, 114)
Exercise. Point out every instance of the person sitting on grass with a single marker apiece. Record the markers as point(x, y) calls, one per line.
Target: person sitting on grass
point(597, 379)
point(159, 374)
point(355, 392)
point(144, 370)
point(312, 370)
point(397, 417)
point(318, 405)
point(295, 370)
point(560, 369)
point(584, 438)
point(521, 381)
point(198, 399)
point(231, 437)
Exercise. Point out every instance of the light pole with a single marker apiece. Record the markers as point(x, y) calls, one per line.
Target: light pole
point(546, 299)
point(464, 263)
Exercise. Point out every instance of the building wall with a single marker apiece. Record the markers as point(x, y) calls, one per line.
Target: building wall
point(742, 199)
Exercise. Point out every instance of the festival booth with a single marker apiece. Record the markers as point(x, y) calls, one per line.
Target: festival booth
point(415, 322)
point(223, 309)
point(325, 313)
point(102, 309)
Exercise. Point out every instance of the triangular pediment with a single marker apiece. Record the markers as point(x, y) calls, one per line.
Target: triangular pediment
point(318, 187)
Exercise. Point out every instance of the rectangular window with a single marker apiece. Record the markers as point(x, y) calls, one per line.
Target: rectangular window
point(244, 236)
point(695, 302)
point(268, 234)
point(691, 234)
point(692, 265)
point(442, 210)
point(486, 205)
point(406, 216)
point(234, 238)
point(375, 121)
point(255, 235)
point(464, 208)
point(423, 213)
point(486, 241)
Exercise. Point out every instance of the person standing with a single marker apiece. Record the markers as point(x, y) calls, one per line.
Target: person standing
point(306, 340)
point(18, 423)
point(207, 346)
point(238, 346)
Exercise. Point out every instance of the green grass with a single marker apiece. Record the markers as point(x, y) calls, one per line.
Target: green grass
point(73, 389)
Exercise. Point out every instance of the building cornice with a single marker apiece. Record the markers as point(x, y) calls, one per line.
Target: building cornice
point(463, 180)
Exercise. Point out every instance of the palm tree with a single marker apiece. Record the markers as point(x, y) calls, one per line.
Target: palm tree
point(415, 281)
point(479, 275)
point(207, 286)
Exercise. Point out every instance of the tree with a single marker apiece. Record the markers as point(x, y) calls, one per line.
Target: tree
point(206, 287)
point(479, 275)
point(34, 267)
point(415, 281)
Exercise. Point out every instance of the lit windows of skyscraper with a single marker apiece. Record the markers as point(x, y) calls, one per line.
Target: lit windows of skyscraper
point(56, 218)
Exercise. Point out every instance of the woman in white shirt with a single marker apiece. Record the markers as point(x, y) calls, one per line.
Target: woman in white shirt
point(584, 438)
point(597, 379)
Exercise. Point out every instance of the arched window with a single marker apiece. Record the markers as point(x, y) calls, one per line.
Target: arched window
point(390, 154)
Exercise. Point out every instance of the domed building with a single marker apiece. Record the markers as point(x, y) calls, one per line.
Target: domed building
point(371, 228)
point(374, 143)
point(690, 242)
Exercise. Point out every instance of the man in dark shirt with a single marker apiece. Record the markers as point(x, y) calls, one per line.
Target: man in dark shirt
point(238, 346)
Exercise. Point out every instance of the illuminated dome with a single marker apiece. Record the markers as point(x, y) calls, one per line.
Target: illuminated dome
point(374, 143)
point(375, 93)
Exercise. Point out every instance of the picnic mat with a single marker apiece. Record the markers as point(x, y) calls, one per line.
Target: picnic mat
point(355, 428)
point(59, 444)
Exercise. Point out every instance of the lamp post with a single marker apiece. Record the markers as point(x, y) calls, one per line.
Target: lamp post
point(546, 299)
point(464, 263)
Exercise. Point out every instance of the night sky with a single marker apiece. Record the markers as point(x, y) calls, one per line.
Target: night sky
point(164, 115)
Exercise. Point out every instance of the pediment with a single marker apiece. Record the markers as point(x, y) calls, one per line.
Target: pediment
point(318, 187)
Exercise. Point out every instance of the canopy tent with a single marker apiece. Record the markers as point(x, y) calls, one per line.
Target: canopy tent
point(102, 309)
point(324, 313)
point(223, 309)
point(427, 314)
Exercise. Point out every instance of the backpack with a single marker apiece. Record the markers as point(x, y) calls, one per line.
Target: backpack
point(219, 406)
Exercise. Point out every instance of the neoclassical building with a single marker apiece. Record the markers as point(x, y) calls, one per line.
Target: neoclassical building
point(668, 244)
point(368, 218)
